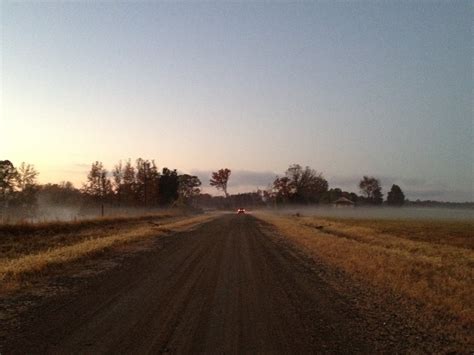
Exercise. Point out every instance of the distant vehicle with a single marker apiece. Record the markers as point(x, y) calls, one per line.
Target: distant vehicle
point(241, 211)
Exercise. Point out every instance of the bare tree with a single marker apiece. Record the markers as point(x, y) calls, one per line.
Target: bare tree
point(219, 180)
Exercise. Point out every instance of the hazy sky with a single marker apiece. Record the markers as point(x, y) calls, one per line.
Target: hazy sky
point(348, 88)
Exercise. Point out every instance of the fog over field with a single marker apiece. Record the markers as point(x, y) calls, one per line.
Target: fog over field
point(52, 213)
point(383, 212)
point(49, 213)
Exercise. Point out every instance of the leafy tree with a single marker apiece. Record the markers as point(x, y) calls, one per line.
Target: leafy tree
point(27, 188)
point(219, 179)
point(127, 188)
point(147, 181)
point(117, 183)
point(168, 186)
point(301, 185)
point(154, 184)
point(308, 185)
point(282, 189)
point(8, 175)
point(395, 196)
point(18, 188)
point(26, 176)
point(371, 190)
point(188, 187)
point(98, 185)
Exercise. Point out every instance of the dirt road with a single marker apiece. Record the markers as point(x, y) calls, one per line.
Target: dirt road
point(227, 287)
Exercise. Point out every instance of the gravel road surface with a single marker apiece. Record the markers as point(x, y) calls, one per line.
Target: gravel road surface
point(227, 287)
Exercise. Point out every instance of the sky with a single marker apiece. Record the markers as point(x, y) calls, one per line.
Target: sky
point(380, 88)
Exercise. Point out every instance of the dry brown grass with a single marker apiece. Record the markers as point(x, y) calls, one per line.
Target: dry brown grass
point(449, 232)
point(53, 227)
point(29, 238)
point(29, 255)
point(417, 259)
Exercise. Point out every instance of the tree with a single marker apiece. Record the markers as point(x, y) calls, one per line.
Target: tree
point(308, 185)
point(168, 186)
point(117, 174)
point(188, 187)
point(371, 190)
point(219, 179)
point(26, 176)
point(18, 188)
point(7, 180)
point(146, 181)
point(282, 189)
point(27, 187)
point(98, 184)
point(301, 185)
point(395, 196)
point(127, 189)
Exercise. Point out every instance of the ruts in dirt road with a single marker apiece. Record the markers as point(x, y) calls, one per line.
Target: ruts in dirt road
point(229, 286)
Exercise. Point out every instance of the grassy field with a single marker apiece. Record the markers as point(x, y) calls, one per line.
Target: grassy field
point(26, 238)
point(27, 249)
point(430, 262)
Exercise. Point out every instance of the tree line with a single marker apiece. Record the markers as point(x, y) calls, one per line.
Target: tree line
point(308, 186)
point(142, 184)
point(18, 187)
point(127, 185)
point(304, 185)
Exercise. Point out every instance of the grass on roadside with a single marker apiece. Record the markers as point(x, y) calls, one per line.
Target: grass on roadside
point(30, 238)
point(413, 258)
point(17, 265)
